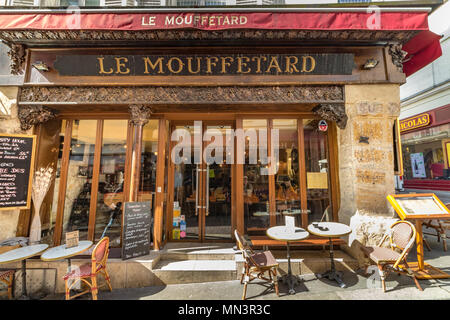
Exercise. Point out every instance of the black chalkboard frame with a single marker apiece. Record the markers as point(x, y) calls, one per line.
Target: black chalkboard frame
point(31, 174)
point(124, 226)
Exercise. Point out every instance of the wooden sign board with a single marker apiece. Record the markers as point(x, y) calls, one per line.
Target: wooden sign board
point(205, 64)
point(16, 170)
point(72, 239)
point(136, 229)
point(419, 206)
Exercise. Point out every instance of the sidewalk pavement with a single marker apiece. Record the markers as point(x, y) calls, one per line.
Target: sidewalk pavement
point(359, 287)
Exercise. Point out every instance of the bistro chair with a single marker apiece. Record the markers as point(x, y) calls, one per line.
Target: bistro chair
point(402, 235)
point(7, 277)
point(87, 273)
point(256, 265)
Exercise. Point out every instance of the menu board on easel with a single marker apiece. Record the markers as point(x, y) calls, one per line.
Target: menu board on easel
point(136, 229)
point(419, 206)
point(16, 170)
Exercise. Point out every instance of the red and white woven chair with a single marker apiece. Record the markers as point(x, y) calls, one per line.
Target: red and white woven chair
point(87, 273)
point(256, 265)
point(402, 235)
point(7, 277)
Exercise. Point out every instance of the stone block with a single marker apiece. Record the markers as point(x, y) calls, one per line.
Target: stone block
point(39, 282)
point(370, 177)
point(373, 129)
point(383, 93)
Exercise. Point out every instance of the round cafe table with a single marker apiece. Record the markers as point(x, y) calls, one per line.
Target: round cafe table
point(61, 252)
point(282, 233)
point(21, 254)
point(330, 230)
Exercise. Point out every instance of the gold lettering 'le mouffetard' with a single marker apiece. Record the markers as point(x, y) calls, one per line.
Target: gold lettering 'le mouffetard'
point(207, 65)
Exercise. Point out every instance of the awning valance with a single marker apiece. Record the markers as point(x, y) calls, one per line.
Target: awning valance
point(422, 49)
point(217, 21)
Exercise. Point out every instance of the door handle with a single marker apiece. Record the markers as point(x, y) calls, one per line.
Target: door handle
point(196, 190)
point(207, 190)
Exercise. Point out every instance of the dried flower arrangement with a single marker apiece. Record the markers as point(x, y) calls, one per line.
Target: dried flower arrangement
point(42, 180)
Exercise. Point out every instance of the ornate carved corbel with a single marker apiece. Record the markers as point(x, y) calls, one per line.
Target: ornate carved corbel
point(333, 112)
point(139, 114)
point(397, 55)
point(16, 53)
point(33, 115)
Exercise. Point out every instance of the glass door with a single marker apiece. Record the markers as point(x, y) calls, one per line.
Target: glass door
point(218, 182)
point(202, 175)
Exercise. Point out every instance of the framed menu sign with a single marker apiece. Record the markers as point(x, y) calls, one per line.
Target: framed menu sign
point(419, 206)
point(136, 229)
point(16, 170)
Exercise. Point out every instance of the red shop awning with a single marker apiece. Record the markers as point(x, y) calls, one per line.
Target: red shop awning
point(422, 49)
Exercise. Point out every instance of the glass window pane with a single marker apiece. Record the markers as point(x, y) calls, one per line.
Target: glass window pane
point(149, 155)
point(52, 142)
point(425, 153)
point(317, 173)
point(186, 175)
point(111, 180)
point(287, 192)
point(79, 177)
point(256, 185)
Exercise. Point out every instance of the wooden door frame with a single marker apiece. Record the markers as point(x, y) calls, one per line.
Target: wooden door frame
point(202, 176)
point(57, 236)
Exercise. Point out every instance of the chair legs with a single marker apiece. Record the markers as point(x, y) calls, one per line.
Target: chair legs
point(94, 288)
point(106, 275)
point(9, 283)
point(411, 274)
point(246, 278)
point(382, 276)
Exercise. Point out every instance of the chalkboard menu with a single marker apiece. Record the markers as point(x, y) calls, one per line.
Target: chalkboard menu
point(16, 170)
point(136, 229)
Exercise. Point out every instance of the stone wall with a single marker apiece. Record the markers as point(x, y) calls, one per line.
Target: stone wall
point(366, 165)
point(9, 123)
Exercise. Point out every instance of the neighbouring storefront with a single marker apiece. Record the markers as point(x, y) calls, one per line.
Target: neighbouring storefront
point(113, 99)
point(426, 149)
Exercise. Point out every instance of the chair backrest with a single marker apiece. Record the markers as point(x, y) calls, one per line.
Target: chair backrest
point(100, 254)
point(245, 249)
point(326, 215)
point(402, 236)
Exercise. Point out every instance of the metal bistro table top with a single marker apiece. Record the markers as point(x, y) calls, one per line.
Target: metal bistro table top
point(61, 252)
point(22, 253)
point(329, 229)
point(282, 233)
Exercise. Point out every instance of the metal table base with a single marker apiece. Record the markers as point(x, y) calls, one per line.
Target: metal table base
point(333, 274)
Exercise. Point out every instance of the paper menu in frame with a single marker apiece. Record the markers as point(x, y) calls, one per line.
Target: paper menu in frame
point(72, 239)
point(290, 223)
point(419, 206)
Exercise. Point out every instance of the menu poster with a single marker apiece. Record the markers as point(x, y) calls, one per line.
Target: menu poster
point(136, 229)
point(421, 205)
point(418, 165)
point(16, 170)
point(72, 239)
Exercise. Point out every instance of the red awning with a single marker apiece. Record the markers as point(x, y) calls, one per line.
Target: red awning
point(216, 21)
point(422, 49)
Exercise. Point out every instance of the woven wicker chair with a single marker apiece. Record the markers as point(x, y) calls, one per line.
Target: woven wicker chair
point(7, 277)
point(402, 235)
point(90, 271)
point(256, 265)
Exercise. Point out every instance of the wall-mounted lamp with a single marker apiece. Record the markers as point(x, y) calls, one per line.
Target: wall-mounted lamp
point(370, 64)
point(41, 66)
point(364, 139)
